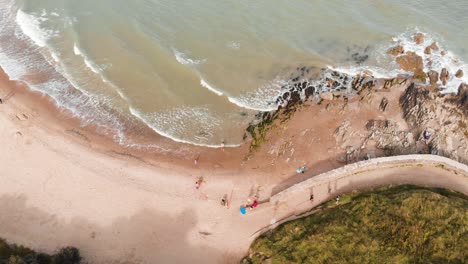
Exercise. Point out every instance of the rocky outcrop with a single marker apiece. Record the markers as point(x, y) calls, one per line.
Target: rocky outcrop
point(326, 96)
point(433, 77)
point(390, 138)
point(383, 104)
point(461, 99)
point(433, 47)
point(418, 38)
point(397, 50)
point(411, 62)
point(444, 76)
point(445, 115)
point(459, 73)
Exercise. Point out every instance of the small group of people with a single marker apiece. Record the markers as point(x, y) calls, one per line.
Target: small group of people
point(252, 202)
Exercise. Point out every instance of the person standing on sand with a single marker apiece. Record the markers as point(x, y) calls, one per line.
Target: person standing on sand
point(199, 182)
point(223, 145)
point(225, 201)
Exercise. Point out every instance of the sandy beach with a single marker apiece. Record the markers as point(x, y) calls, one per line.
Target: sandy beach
point(62, 186)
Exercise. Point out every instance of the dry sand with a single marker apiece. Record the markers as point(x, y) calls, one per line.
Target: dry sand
point(59, 188)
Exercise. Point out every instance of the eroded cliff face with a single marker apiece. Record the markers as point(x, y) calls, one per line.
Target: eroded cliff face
point(442, 117)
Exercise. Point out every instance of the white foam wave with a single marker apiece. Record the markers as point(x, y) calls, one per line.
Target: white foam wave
point(55, 56)
point(211, 87)
point(30, 25)
point(87, 60)
point(183, 59)
point(377, 72)
point(263, 98)
point(97, 70)
point(92, 66)
point(436, 60)
point(234, 45)
point(18, 62)
point(257, 100)
point(13, 68)
point(77, 50)
point(248, 103)
point(178, 121)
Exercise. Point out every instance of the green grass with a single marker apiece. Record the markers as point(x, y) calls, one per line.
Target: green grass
point(404, 224)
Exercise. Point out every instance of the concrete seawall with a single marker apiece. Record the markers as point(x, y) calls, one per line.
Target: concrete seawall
point(421, 170)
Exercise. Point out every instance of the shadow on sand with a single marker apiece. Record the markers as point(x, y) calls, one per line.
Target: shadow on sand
point(148, 236)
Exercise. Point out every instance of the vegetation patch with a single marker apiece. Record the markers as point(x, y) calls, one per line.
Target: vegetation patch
point(266, 121)
point(14, 254)
point(404, 224)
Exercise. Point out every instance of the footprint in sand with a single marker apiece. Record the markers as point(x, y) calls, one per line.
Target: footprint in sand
point(20, 137)
point(22, 117)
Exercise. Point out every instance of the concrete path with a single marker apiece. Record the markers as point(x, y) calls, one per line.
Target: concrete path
point(421, 170)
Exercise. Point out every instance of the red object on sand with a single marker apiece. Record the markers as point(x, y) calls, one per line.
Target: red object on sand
point(255, 203)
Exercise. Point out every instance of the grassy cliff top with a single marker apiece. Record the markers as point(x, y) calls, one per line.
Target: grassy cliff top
point(404, 224)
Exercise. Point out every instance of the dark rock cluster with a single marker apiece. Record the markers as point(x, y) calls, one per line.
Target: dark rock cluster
point(444, 114)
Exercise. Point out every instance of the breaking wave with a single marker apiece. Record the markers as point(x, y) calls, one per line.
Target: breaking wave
point(211, 87)
point(31, 26)
point(183, 59)
point(171, 124)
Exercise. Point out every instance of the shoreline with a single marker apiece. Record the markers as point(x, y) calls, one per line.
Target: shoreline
point(62, 121)
point(63, 187)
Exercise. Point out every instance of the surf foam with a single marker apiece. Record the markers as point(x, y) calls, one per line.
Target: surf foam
point(211, 87)
point(172, 124)
point(30, 25)
point(183, 59)
point(76, 50)
point(436, 60)
point(262, 99)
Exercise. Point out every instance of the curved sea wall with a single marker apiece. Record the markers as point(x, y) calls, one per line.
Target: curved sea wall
point(421, 170)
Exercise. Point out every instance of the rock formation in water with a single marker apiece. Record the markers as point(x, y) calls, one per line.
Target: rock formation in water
point(437, 123)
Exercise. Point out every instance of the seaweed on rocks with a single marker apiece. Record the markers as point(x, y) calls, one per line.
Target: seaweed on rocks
point(258, 130)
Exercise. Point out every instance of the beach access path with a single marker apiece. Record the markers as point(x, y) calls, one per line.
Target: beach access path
point(55, 192)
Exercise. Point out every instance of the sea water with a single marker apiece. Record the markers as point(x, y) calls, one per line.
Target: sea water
point(197, 71)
